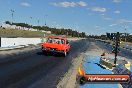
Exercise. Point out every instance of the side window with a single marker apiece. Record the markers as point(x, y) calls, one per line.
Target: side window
point(59, 42)
point(49, 40)
point(67, 42)
point(62, 41)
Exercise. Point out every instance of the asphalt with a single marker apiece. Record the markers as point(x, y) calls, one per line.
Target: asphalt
point(108, 48)
point(33, 69)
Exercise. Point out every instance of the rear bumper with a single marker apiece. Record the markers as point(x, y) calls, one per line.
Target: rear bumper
point(52, 51)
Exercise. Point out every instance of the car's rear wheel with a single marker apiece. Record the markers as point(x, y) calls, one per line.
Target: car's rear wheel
point(64, 53)
point(68, 52)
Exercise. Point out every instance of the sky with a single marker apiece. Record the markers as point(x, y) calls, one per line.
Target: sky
point(91, 16)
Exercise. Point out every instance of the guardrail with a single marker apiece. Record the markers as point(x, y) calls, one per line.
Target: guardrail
point(10, 42)
point(11, 48)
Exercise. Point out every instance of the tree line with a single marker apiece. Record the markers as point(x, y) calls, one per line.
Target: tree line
point(127, 38)
point(61, 31)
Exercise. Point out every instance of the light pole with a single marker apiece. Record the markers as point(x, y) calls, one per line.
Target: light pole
point(38, 22)
point(12, 15)
point(31, 20)
point(45, 19)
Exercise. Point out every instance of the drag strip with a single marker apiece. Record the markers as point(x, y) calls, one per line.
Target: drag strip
point(35, 70)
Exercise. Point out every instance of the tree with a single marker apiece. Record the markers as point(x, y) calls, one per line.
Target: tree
point(56, 31)
point(7, 22)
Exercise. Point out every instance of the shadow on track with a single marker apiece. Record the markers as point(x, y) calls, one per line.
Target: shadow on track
point(50, 54)
point(100, 65)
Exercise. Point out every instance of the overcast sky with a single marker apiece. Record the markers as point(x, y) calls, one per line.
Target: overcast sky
point(90, 16)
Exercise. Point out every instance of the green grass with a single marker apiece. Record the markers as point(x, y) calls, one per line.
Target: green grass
point(20, 33)
point(107, 64)
point(24, 33)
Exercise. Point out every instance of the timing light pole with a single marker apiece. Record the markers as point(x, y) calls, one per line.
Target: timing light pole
point(117, 37)
point(125, 35)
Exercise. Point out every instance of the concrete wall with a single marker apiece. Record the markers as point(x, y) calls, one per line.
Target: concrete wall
point(8, 42)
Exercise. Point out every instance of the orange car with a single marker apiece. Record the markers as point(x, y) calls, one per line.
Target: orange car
point(56, 44)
